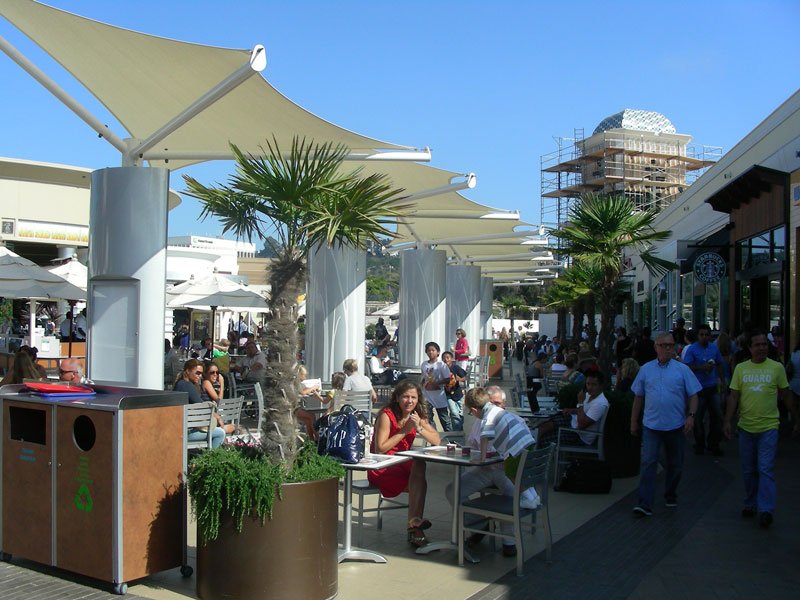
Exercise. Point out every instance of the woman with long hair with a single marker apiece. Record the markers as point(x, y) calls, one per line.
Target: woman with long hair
point(22, 369)
point(189, 382)
point(398, 424)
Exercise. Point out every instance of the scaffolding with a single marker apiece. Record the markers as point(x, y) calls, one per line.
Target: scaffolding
point(651, 169)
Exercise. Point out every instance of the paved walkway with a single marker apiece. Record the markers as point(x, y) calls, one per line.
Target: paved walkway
point(703, 549)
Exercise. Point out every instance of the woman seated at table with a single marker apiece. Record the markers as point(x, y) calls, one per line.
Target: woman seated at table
point(189, 382)
point(22, 369)
point(213, 388)
point(395, 430)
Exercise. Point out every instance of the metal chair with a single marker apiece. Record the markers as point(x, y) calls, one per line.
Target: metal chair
point(259, 393)
point(533, 471)
point(595, 449)
point(230, 409)
point(363, 488)
point(361, 401)
point(198, 416)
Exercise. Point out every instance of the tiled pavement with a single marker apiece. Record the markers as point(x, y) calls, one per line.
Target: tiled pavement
point(703, 549)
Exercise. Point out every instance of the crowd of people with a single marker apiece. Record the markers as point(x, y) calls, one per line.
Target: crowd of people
point(683, 382)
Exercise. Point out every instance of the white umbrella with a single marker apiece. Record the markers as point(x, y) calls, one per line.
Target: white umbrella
point(235, 300)
point(391, 310)
point(190, 291)
point(73, 271)
point(22, 278)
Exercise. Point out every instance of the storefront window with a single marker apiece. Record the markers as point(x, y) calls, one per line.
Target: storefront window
point(775, 302)
point(744, 302)
point(687, 295)
point(779, 243)
point(760, 250)
point(712, 307)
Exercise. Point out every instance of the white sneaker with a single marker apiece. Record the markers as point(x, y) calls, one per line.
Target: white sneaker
point(530, 499)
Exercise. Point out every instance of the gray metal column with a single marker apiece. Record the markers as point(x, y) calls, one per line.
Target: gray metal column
point(487, 298)
point(335, 309)
point(127, 270)
point(422, 302)
point(464, 304)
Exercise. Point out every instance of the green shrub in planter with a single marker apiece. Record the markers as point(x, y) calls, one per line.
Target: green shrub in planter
point(239, 479)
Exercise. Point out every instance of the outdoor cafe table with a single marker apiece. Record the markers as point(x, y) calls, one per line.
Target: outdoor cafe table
point(440, 454)
point(368, 463)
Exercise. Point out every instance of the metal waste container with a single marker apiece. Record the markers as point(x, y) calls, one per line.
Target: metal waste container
point(94, 485)
point(494, 350)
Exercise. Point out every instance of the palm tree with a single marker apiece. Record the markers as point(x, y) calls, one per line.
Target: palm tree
point(305, 199)
point(599, 231)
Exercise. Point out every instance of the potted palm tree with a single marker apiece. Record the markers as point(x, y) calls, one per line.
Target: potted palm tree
point(599, 230)
point(304, 199)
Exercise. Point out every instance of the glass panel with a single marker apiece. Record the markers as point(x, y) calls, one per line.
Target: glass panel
point(687, 295)
point(744, 302)
point(712, 305)
point(759, 251)
point(775, 304)
point(743, 254)
point(779, 243)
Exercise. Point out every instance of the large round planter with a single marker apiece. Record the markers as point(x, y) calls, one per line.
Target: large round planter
point(292, 556)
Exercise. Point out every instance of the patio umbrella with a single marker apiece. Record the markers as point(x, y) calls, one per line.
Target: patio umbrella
point(236, 300)
point(22, 278)
point(73, 271)
point(188, 292)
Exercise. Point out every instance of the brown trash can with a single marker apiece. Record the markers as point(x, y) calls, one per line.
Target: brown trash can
point(94, 485)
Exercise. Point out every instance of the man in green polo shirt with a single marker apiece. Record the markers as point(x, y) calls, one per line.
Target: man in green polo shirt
point(755, 387)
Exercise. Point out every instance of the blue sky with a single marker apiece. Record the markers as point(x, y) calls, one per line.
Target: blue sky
point(487, 85)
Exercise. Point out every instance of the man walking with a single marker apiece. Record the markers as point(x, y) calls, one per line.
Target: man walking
point(705, 360)
point(755, 387)
point(666, 385)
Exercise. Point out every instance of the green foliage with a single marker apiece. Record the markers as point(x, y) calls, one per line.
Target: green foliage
point(381, 289)
point(240, 480)
point(369, 332)
point(6, 311)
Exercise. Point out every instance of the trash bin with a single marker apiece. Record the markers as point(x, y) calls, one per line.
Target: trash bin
point(494, 350)
point(94, 485)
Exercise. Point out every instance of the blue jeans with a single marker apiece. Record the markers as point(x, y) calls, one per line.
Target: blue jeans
point(456, 414)
point(673, 442)
point(217, 436)
point(708, 401)
point(444, 417)
point(757, 453)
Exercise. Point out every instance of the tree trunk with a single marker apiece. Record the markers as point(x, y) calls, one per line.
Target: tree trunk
point(589, 304)
point(608, 311)
point(561, 327)
point(278, 436)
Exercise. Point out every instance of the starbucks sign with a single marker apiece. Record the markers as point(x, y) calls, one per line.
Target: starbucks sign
point(709, 267)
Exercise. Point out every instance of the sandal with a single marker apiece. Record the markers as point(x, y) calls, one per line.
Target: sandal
point(416, 537)
point(419, 523)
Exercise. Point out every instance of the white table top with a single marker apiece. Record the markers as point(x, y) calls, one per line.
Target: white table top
point(377, 461)
point(441, 455)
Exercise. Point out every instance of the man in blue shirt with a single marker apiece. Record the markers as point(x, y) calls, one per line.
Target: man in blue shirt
point(665, 385)
point(705, 361)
